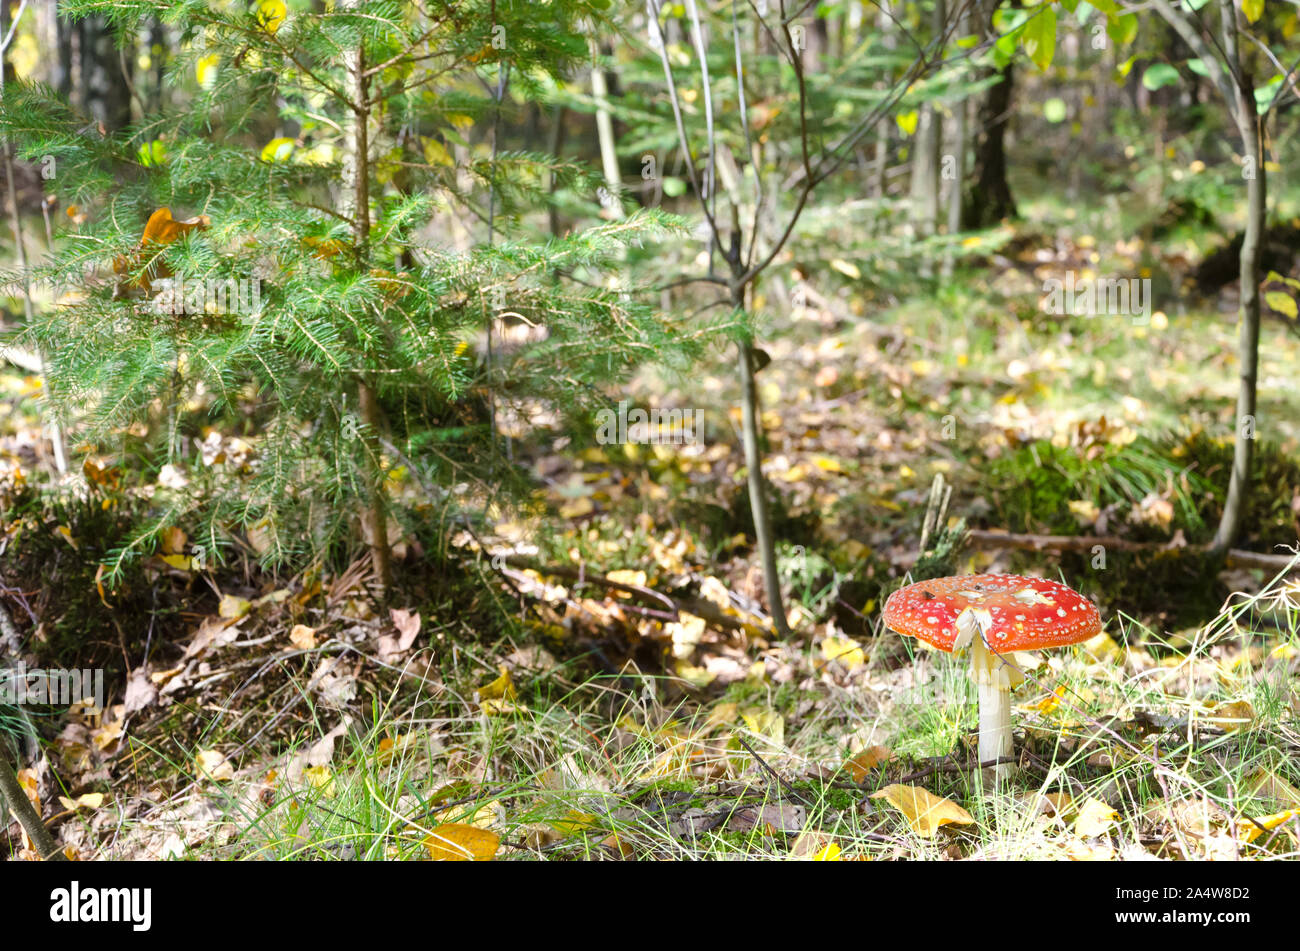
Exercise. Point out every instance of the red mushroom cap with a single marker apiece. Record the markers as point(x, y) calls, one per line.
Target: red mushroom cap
point(1028, 613)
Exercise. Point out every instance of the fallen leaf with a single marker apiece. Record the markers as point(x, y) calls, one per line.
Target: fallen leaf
point(925, 812)
point(303, 637)
point(232, 606)
point(845, 651)
point(1095, 818)
point(84, 801)
point(502, 688)
point(322, 778)
point(1252, 828)
point(408, 626)
point(1233, 715)
point(457, 842)
point(867, 760)
point(214, 765)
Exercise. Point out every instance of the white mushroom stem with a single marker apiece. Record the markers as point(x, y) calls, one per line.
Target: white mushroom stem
point(995, 705)
point(994, 676)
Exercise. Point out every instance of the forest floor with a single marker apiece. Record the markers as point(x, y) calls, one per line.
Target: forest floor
point(531, 713)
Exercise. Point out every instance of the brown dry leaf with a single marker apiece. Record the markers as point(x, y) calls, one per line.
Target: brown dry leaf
point(457, 842)
point(303, 637)
point(171, 540)
point(1263, 784)
point(1080, 851)
point(408, 626)
point(621, 846)
point(863, 763)
point(27, 780)
point(925, 812)
point(161, 229)
point(1095, 818)
point(769, 819)
point(1233, 715)
point(140, 691)
point(212, 632)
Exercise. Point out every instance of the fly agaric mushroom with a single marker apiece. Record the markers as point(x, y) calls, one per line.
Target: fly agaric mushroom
point(993, 615)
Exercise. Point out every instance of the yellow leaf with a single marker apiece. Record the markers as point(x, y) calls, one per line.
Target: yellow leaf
point(435, 153)
point(179, 562)
point(1252, 9)
point(457, 842)
point(205, 70)
point(827, 464)
point(828, 853)
point(86, 801)
point(502, 688)
point(1094, 818)
point(270, 14)
point(66, 534)
point(1282, 302)
point(278, 150)
point(846, 268)
point(628, 576)
point(698, 677)
point(1250, 829)
point(765, 722)
point(573, 822)
point(214, 765)
point(322, 778)
point(577, 508)
point(721, 715)
point(233, 606)
point(907, 121)
point(844, 650)
point(925, 812)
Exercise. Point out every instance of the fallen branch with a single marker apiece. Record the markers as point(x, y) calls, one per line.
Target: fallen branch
point(1236, 557)
point(12, 795)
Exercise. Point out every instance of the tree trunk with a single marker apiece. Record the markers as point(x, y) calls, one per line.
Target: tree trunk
point(879, 185)
point(926, 160)
point(61, 63)
point(752, 433)
point(106, 95)
point(356, 206)
point(605, 137)
point(990, 199)
point(1250, 128)
point(955, 171)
